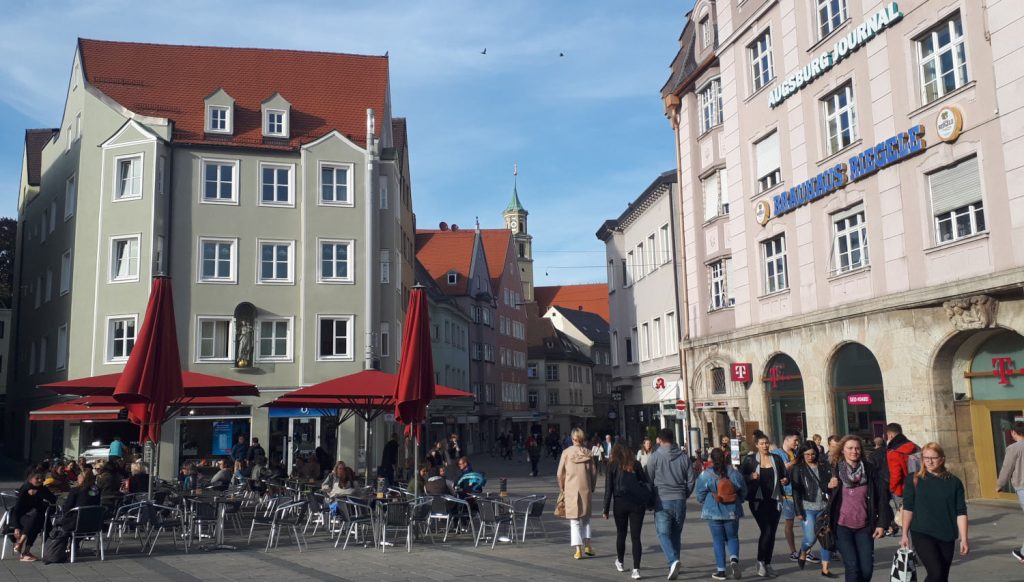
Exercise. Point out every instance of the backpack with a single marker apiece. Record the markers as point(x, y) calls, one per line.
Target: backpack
point(630, 486)
point(726, 492)
point(914, 462)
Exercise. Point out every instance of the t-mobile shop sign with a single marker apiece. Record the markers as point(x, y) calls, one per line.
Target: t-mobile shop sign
point(859, 399)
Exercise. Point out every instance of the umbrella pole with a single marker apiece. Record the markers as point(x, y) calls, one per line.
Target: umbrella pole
point(416, 464)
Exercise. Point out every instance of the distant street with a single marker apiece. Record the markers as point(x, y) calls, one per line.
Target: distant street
point(995, 528)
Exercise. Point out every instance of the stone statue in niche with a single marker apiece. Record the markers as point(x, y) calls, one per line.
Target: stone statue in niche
point(977, 312)
point(245, 317)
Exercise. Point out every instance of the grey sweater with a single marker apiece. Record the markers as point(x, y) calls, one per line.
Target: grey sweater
point(671, 472)
point(1012, 471)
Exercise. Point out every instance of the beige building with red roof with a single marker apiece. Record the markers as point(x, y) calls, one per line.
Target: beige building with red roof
point(271, 185)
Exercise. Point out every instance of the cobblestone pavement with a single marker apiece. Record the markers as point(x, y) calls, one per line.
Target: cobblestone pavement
point(995, 528)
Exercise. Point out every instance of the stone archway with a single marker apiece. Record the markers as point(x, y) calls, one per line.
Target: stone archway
point(857, 389)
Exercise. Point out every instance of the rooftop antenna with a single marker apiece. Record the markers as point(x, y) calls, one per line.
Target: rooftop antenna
point(478, 224)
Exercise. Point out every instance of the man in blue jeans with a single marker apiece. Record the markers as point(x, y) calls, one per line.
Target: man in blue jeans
point(672, 474)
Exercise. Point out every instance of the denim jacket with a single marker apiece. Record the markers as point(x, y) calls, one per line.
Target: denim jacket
point(707, 489)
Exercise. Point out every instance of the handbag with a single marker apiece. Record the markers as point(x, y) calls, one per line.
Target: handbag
point(904, 566)
point(823, 531)
point(560, 505)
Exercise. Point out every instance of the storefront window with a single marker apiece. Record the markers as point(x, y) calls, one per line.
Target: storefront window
point(859, 397)
point(785, 388)
point(207, 436)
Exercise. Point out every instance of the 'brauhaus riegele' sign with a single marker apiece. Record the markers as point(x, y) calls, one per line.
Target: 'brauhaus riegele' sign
point(844, 47)
point(862, 164)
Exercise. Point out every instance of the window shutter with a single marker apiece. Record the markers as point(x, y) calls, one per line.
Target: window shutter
point(955, 186)
point(711, 196)
point(768, 154)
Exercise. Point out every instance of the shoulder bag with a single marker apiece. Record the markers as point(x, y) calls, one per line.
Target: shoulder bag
point(823, 531)
point(560, 505)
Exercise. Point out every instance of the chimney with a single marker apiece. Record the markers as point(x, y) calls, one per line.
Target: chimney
point(455, 228)
point(443, 226)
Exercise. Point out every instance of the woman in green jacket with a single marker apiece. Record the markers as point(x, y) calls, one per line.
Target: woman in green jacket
point(934, 532)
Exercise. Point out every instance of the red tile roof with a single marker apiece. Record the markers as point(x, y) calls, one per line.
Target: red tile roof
point(497, 247)
point(440, 251)
point(327, 91)
point(592, 298)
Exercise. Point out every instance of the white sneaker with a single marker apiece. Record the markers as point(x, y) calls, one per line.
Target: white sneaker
point(761, 571)
point(619, 567)
point(673, 570)
point(636, 574)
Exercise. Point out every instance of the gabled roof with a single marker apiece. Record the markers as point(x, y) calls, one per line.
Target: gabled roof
point(591, 297)
point(497, 245)
point(327, 91)
point(591, 324)
point(441, 251)
point(545, 342)
point(35, 141)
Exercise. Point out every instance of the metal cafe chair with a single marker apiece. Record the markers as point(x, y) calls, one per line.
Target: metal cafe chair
point(7, 500)
point(88, 523)
point(160, 518)
point(290, 516)
point(460, 512)
point(356, 516)
point(493, 515)
point(531, 506)
point(266, 519)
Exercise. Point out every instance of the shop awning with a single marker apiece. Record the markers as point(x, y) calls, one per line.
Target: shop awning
point(97, 408)
point(196, 385)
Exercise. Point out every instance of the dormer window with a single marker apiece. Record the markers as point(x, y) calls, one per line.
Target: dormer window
point(453, 277)
point(274, 123)
point(218, 119)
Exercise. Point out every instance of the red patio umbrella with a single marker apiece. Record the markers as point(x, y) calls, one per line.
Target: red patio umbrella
point(152, 377)
point(415, 388)
point(100, 408)
point(195, 385)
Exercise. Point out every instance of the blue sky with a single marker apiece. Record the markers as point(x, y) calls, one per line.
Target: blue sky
point(586, 129)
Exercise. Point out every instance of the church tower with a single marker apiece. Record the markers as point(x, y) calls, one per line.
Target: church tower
point(515, 220)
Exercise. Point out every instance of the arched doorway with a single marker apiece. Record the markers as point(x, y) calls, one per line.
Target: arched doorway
point(859, 397)
point(996, 381)
point(785, 389)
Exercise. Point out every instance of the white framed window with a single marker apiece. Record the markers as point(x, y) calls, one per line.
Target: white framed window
point(762, 66)
point(710, 101)
point(220, 182)
point(214, 339)
point(68, 138)
point(652, 253)
point(335, 184)
point(62, 347)
point(78, 126)
point(334, 337)
point(707, 34)
point(656, 338)
point(769, 172)
point(275, 123)
point(383, 194)
point(128, 177)
point(53, 216)
point(385, 339)
point(161, 174)
point(124, 258)
point(217, 260)
point(716, 201)
point(850, 250)
point(453, 278)
point(774, 253)
point(942, 55)
point(630, 268)
point(385, 266)
point(276, 261)
point(957, 201)
point(49, 285)
point(671, 341)
point(44, 223)
point(336, 261)
point(276, 185)
point(274, 339)
point(120, 337)
point(65, 272)
point(70, 197)
point(718, 280)
point(840, 118)
point(218, 119)
point(831, 13)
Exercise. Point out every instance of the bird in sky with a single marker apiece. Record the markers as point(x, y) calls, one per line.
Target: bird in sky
point(484, 52)
point(561, 54)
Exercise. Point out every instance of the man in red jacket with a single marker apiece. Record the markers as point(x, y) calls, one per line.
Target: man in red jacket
point(898, 451)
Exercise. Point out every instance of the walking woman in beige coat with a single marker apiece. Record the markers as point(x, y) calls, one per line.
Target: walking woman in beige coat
point(577, 475)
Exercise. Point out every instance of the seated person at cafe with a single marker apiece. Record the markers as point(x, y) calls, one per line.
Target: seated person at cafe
point(139, 481)
point(436, 483)
point(299, 467)
point(56, 481)
point(86, 493)
point(241, 472)
point(338, 483)
point(188, 478)
point(222, 480)
point(108, 480)
point(464, 466)
point(312, 469)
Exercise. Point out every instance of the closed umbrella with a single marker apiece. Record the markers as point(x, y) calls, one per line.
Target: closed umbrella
point(415, 387)
point(152, 377)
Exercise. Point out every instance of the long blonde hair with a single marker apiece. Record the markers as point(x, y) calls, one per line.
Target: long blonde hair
point(940, 471)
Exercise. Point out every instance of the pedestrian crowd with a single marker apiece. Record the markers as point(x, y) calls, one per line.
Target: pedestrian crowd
point(843, 496)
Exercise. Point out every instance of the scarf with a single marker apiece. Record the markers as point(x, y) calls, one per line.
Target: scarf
point(852, 476)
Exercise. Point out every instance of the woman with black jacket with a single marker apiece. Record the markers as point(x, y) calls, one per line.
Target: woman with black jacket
point(860, 510)
point(811, 477)
point(623, 471)
point(765, 475)
point(84, 494)
point(29, 514)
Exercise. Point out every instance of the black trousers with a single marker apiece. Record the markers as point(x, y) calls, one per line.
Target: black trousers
point(934, 554)
point(766, 514)
point(31, 524)
point(533, 464)
point(628, 515)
